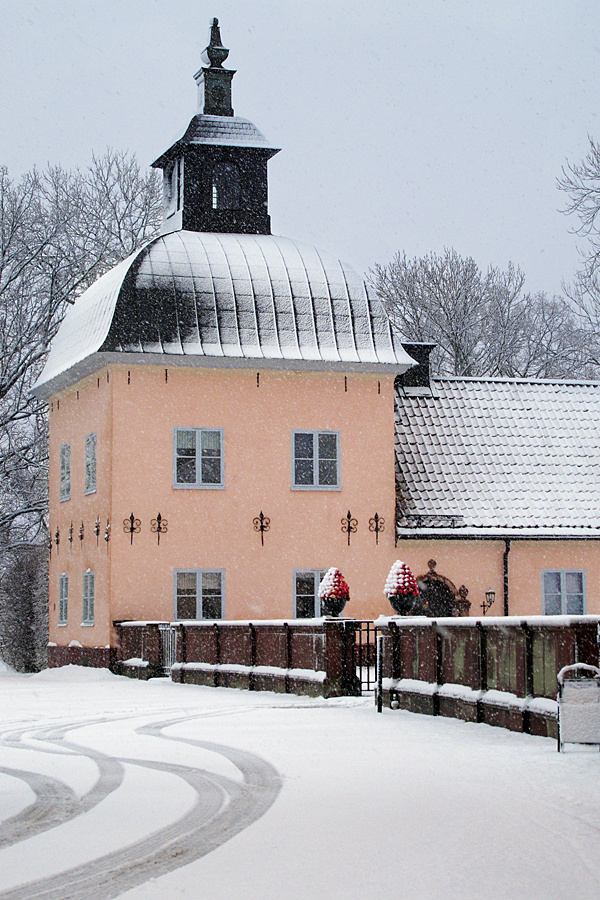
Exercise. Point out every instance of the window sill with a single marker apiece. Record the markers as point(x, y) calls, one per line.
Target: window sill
point(62, 624)
point(87, 493)
point(199, 487)
point(64, 499)
point(87, 624)
point(316, 487)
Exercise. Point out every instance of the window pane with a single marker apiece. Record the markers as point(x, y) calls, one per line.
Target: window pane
point(304, 471)
point(574, 605)
point(574, 582)
point(328, 446)
point(211, 595)
point(186, 595)
point(305, 607)
point(186, 607)
point(552, 583)
point(327, 471)
point(186, 457)
point(90, 463)
point(211, 443)
point(305, 583)
point(552, 604)
point(303, 445)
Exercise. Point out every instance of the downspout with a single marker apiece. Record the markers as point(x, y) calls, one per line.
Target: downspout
point(505, 568)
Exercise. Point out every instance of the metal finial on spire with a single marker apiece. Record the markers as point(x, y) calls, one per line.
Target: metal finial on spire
point(215, 53)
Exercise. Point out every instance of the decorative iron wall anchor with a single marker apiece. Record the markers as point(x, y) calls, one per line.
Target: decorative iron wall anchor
point(132, 526)
point(158, 526)
point(97, 529)
point(56, 538)
point(349, 525)
point(377, 524)
point(107, 533)
point(71, 533)
point(81, 532)
point(261, 523)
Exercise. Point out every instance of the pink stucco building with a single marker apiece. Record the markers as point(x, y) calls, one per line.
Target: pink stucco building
point(231, 414)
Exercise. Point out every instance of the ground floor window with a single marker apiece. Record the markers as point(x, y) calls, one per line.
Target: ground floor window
point(199, 594)
point(63, 599)
point(88, 598)
point(563, 592)
point(306, 593)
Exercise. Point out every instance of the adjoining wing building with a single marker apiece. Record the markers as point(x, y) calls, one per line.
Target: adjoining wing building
point(231, 414)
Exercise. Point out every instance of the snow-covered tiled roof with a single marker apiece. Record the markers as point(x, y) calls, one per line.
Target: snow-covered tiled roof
point(222, 131)
point(197, 298)
point(491, 456)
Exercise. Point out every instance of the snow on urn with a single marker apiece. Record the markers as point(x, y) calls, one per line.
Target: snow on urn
point(401, 588)
point(334, 592)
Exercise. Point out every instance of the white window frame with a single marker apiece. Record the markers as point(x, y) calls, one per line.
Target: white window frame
point(315, 486)
point(88, 598)
point(318, 575)
point(65, 472)
point(63, 599)
point(199, 573)
point(563, 590)
point(91, 443)
point(198, 483)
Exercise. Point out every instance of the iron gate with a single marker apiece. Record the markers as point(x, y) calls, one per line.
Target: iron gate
point(364, 654)
point(168, 646)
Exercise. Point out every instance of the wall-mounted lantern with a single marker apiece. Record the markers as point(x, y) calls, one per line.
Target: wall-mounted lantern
point(490, 596)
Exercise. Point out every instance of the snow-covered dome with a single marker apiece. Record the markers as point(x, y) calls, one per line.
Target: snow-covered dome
point(199, 298)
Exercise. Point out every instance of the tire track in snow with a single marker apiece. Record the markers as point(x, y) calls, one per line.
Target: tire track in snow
point(223, 809)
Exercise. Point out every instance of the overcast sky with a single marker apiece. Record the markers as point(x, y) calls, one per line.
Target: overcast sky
point(404, 124)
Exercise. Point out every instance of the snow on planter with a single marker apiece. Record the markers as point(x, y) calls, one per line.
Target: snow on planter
point(401, 588)
point(334, 592)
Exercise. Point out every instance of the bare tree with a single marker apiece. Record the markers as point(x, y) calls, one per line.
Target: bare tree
point(59, 231)
point(582, 183)
point(482, 324)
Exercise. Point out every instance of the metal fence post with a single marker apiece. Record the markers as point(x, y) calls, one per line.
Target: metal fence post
point(379, 662)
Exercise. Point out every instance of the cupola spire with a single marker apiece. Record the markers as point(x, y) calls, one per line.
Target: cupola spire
point(214, 82)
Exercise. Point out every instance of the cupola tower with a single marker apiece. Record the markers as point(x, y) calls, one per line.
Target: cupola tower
point(215, 176)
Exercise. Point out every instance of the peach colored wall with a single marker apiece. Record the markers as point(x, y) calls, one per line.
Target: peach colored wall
point(213, 528)
point(134, 412)
point(73, 416)
point(479, 565)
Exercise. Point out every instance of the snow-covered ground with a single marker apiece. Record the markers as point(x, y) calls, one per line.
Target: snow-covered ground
point(116, 788)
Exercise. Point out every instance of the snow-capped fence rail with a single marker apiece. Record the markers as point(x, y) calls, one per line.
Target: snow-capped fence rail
point(307, 656)
point(498, 670)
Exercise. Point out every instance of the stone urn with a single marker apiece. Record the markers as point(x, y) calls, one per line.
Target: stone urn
point(334, 593)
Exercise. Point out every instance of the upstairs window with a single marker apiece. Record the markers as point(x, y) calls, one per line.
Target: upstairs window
point(563, 592)
point(198, 458)
point(306, 593)
point(226, 186)
point(65, 472)
point(87, 617)
point(172, 186)
point(63, 599)
point(90, 464)
point(316, 460)
point(199, 594)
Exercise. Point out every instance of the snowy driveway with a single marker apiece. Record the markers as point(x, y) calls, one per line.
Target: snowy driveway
point(113, 788)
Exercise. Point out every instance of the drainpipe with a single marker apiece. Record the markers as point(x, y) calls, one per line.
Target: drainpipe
point(505, 567)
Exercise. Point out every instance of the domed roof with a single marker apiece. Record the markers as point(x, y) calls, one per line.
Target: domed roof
point(198, 298)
